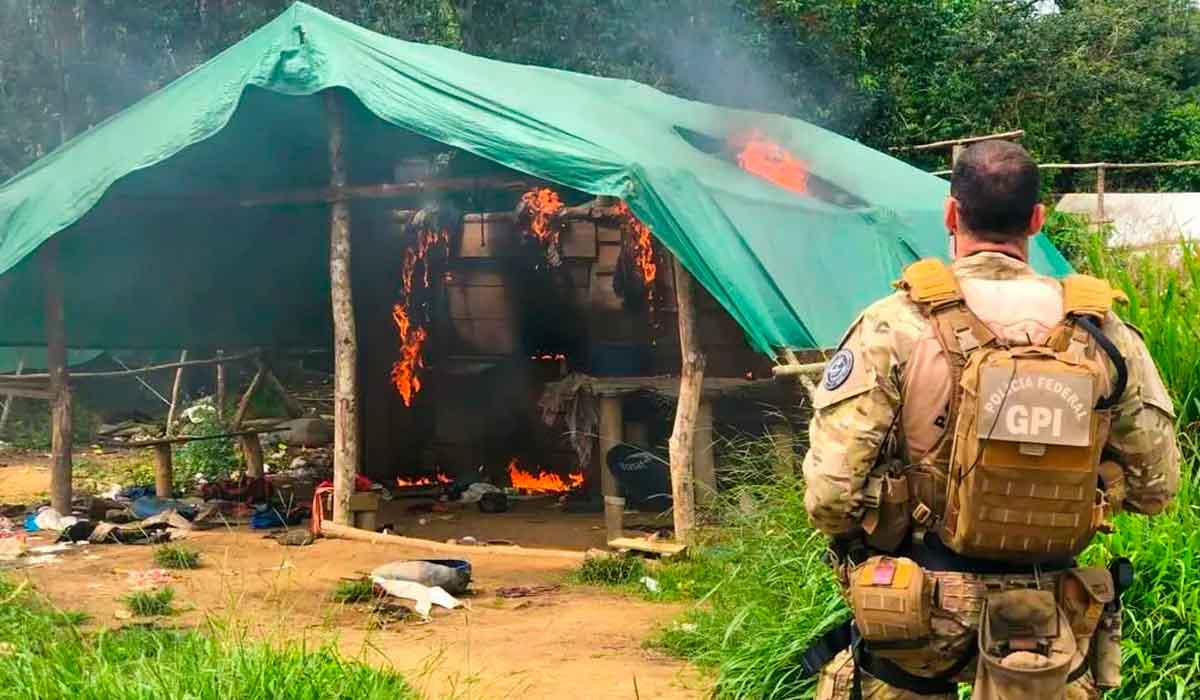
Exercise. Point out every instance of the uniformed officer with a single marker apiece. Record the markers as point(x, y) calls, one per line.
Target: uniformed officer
point(887, 396)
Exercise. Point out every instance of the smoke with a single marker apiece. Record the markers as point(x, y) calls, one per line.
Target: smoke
point(726, 53)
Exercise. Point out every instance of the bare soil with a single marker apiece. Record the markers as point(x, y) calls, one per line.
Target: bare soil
point(576, 642)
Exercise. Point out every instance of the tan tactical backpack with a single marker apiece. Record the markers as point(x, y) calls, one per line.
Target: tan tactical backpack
point(1029, 424)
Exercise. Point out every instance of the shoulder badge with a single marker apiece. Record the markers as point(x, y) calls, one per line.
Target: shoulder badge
point(838, 370)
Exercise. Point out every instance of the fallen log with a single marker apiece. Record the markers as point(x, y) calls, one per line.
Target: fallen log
point(331, 529)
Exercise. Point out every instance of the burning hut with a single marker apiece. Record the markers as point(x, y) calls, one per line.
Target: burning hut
point(485, 243)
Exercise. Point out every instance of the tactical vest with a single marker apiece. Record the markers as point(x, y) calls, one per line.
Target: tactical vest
point(1028, 426)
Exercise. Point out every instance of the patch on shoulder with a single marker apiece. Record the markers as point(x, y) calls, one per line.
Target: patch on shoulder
point(838, 369)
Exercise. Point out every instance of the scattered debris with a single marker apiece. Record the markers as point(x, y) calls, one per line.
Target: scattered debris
point(12, 548)
point(451, 575)
point(651, 584)
point(526, 591)
point(149, 579)
point(295, 538)
point(423, 597)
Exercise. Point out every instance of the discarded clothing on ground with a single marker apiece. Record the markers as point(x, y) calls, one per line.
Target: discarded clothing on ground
point(243, 489)
point(423, 597)
point(111, 533)
point(149, 506)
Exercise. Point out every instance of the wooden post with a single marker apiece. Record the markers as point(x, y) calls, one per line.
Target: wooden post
point(691, 382)
point(1101, 183)
point(220, 387)
point(8, 399)
point(56, 362)
point(253, 453)
point(244, 403)
point(706, 468)
point(162, 470)
point(611, 429)
point(345, 338)
point(175, 392)
point(955, 152)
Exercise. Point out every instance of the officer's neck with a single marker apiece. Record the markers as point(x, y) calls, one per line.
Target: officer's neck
point(966, 245)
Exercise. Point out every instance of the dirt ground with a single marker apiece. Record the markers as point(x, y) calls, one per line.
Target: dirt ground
point(577, 642)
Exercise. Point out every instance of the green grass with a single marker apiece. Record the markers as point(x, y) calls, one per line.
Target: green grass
point(176, 556)
point(1161, 646)
point(49, 656)
point(1163, 287)
point(615, 570)
point(150, 603)
point(356, 591)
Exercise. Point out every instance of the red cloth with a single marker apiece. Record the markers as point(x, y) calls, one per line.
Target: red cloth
point(361, 483)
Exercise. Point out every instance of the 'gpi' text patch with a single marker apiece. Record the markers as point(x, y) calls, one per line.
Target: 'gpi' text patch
point(1032, 406)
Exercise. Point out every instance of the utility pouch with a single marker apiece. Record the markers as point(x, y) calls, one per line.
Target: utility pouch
point(892, 600)
point(1083, 595)
point(1106, 657)
point(886, 519)
point(1026, 647)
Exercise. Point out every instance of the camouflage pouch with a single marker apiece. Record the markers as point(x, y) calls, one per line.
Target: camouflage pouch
point(1026, 648)
point(892, 599)
point(887, 508)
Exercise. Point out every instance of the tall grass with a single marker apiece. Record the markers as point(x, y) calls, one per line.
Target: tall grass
point(1163, 286)
point(766, 592)
point(44, 654)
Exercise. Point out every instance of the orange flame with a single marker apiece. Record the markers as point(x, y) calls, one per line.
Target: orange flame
point(542, 203)
point(435, 480)
point(641, 245)
point(772, 162)
point(412, 335)
point(542, 481)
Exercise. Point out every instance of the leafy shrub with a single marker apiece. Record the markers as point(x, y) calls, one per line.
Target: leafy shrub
point(1072, 234)
point(211, 460)
point(173, 556)
point(150, 603)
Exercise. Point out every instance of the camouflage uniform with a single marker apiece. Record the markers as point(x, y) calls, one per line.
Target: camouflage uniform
point(879, 400)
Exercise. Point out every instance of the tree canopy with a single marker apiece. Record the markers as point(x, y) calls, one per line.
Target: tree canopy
point(1087, 79)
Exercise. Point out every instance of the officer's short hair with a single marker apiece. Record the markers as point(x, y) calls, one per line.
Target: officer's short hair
point(997, 185)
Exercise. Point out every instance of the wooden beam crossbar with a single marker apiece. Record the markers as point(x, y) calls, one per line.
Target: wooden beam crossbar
point(141, 370)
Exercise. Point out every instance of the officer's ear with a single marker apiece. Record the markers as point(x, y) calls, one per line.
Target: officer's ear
point(951, 215)
point(1037, 220)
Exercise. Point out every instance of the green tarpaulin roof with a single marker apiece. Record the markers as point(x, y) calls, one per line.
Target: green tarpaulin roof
point(792, 269)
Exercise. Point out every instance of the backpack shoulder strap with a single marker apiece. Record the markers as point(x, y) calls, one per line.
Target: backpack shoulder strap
point(930, 283)
point(1084, 295)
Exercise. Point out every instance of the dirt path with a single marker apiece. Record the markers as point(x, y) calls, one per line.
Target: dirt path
point(577, 642)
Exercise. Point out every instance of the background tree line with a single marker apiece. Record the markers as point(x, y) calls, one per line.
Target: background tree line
point(1087, 79)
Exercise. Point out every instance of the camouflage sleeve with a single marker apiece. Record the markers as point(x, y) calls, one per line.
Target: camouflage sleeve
point(1142, 438)
point(855, 406)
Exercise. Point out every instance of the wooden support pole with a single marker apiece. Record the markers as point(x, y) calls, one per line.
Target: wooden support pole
point(8, 399)
point(691, 382)
point(611, 429)
point(705, 463)
point(56, 362)
point(293, 407)
point(220, 386)
point(135, 371)
point(244, 403)
point(253, 454)
point(175, 386)
point(345, 337)
point(1101, 217)
point(162, 470)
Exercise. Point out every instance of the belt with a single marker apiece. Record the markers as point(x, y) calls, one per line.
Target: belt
point(933, 555)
